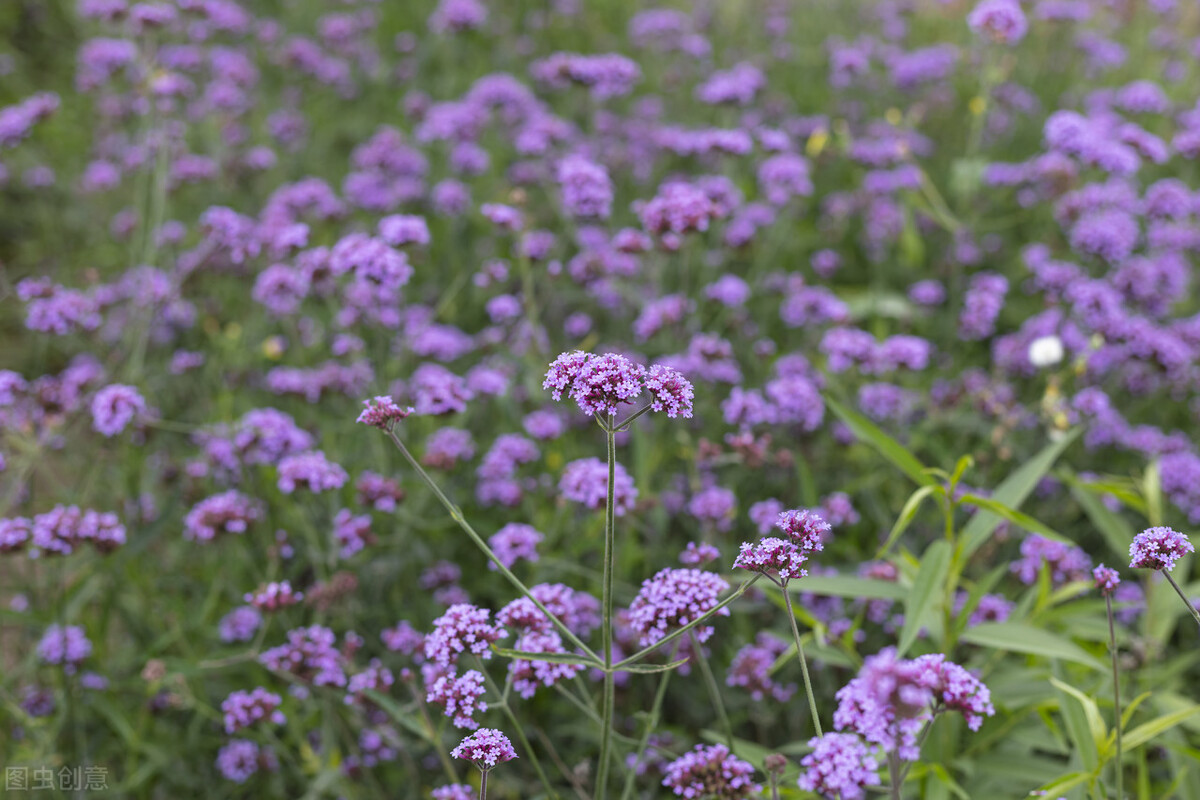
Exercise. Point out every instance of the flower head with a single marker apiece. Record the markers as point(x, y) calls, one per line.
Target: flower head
point(1107, 579)
point(672, 599)
point(462, 629)
point(806, 528)
point(485, 748)
point(711, 772)
point(1158, 548)
point(780, 559)
point(839, 766)
point(671, 392)
point(382, 412)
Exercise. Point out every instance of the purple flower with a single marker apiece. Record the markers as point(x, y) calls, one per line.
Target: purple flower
point(585, 481)
point(672, 599)
point(114, 407)
point(714, 505)
point(1107, 579)
point(806, 528)
point(485, 748)
point(382, 412)
point(678, 208)
point(529, 674)
point(310, 654)
point(464, 628)
point(67, 645)
point(839, 766)
point(671, 391)
point(228, 512)
point(274, 596)
point(1158, 548)
point(697, 554)
point(751, 670)
point(310, 471)
point(242, 709)
point(460, 696)
point(1000, 20)
point(239, 625)
point(1066, 563)
point(514, 541)
point(779, 559)
point(587, 191)
point(454, 791)
point(351, 533)
point(711, 772)
point(238, 760)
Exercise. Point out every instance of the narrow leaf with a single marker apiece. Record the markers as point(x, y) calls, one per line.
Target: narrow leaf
point(848, 586)
point(1018, 637)
point(922, 598)
point(1096, 726)
point(1117, 532)
point(888, 447)
point(1012, 491)
point(1145, 732)
point(1012, 515)
point(907, 515)
point(556, 658)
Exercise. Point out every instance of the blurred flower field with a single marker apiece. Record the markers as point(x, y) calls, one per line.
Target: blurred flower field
point(453, 399)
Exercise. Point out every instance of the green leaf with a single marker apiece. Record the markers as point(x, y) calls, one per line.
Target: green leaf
point(848, 586)
point(1152, 489)
point(1018, 637)
point(1012, 491)
point(926, 590)
point(1147, 731)
point(646, 668)
point(1012, 515)
point(1095, 723)
point(1060, 785)
point(556, 658)
point(907, 515)
point(888, 447)
point(1117, 532)
point(393, 710)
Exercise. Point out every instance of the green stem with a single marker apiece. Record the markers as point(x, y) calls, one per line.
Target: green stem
point(1112, 646)
point(1182, 596)
point(606, 626)
point(714, 691)
point(651, 724)
point(812, 701)
point(483, 785)
point(457, 516)
point(520, 731)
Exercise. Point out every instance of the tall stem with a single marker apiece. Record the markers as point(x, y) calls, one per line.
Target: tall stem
point(894, 775)
point(714, 691)
point(607, 603)
point(812, 700)
point(483, 785)
point(1112, 646)
point(457, 515)
point(1183, 597)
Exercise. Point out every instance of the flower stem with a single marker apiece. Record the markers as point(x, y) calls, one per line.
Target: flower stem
point(812, 701)
point(520, 731)
point(483, 785)
point(606, 625)
point(1183, 597)
point(714, 691)
point(651, 724)
point(457, 515)
point(1112, 646)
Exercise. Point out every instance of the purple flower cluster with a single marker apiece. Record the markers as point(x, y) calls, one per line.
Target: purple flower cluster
point(64, 645)
point(228, 512)
point(243, 709)
point(1158, 548)
point(464, 628)
point(485, 748)
point(460, 695)
point(585, 481)
point(672, 599)
point(514, 541)
point(309, 655)
point(711, 772)
point(839, 766)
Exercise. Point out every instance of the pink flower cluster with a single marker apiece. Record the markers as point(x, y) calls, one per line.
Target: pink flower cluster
point(600, 384)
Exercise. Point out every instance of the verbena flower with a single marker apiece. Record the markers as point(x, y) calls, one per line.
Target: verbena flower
point(114, 407)
point(806, 528)
point(464, 628)
point(486, 748)
point(274, 596)
point(751, 669)
point(243, 709)
point(780, 559)
point(585, 481)
point(382, 412)
point(64, 645)
point(711, 772)
point(1158, 548)
point(1107, 579)
point(672, 599)
point(514, 541)
point(840, 767)
point(460, 695)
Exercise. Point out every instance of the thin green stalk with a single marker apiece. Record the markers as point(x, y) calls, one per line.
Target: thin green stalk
point(520, 731)
point(1112, 647)
point(1182, 596)
point(606, 626)
point(894, 776)
point(651, 724)
point(714, 691)
point(812, 700)
point(460, 520)
point(483, 784)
